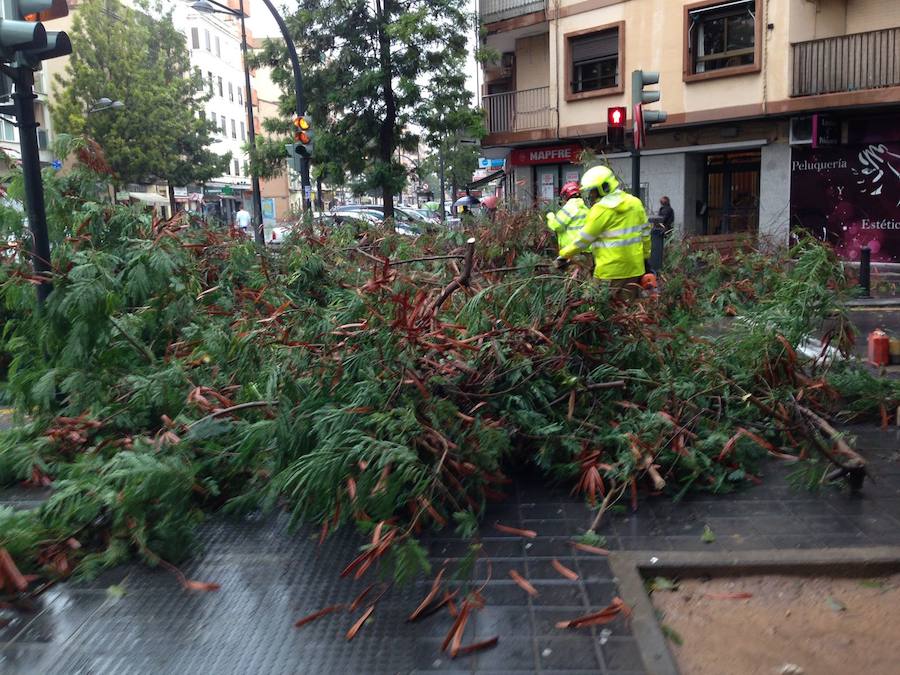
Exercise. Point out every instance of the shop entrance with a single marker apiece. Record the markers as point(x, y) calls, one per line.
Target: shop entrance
point(731, 186)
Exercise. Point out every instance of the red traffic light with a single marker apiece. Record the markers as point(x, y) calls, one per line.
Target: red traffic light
point(615, 117)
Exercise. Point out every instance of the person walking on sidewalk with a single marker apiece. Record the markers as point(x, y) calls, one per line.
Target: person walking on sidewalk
point(569, 220)
point(242, 220)
point(617, 231)
point(667, 213)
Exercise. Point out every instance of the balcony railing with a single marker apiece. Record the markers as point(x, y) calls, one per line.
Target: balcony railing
point(518, 110)
point(498, 10)
point(846, 63)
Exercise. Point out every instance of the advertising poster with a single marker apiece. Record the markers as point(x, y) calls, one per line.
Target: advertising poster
point(849, 196)
point(268, 211)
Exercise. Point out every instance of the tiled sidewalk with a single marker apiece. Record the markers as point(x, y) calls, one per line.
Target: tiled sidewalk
point(271, 577)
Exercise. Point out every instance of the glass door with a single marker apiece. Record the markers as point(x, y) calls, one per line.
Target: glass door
point(732, 192)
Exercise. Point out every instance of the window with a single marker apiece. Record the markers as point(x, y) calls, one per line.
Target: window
point(218, 47)
point(237, 168)
point(240, 96)
point(222, 126)
point(230, 91)
point(9, 131)
point(593, 62)
point(233, 129)
point(209, 76)
point(206, 39)
point(721, 38)
point(221, 91)
point(243, 132)
point(195, 38)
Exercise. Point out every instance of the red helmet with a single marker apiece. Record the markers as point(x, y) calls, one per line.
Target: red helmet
point(569, 190)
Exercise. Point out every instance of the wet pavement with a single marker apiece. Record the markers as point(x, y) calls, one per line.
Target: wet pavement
point(270, 577)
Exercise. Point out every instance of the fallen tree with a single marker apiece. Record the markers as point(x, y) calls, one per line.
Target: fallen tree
point(360, 376)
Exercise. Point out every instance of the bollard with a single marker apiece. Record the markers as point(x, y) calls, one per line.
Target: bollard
point(865, 271)
point(657, 235)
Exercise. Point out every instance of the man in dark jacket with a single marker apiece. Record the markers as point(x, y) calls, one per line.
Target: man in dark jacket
point(666, 213)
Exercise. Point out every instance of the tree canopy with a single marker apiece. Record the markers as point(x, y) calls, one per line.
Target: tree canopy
point(123, 54)
point(375, 72)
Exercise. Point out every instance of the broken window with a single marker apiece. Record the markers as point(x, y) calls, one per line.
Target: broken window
point(722, 36)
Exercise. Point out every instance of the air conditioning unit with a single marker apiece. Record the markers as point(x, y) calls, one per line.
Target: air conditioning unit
point(43, 139)
point(801, 130)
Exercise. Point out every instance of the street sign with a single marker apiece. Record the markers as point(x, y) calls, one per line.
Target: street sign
point(228, 191)
point(638, 126)
point(490, 163)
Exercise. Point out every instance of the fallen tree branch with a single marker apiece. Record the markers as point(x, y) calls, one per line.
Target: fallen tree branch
point(141, 349)
point(427, 258)
point(460, 281)
point(235, 408)
point(854, 459)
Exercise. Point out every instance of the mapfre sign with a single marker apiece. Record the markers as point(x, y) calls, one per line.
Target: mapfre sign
point(557, 154)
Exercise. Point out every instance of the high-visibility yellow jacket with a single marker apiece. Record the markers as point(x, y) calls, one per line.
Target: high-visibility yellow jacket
point(617, 232)
point(568, 221)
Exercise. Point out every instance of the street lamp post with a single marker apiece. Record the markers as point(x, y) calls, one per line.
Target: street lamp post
point(213, 7)
point(105, 103)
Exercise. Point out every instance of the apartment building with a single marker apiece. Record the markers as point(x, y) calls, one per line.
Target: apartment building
point(214, 41)
point(782, 114)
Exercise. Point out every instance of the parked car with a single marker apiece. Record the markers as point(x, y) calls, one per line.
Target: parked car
point(374, 217)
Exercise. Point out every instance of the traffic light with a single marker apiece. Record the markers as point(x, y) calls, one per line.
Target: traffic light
point(615, 126)
point(23, 39)
point(303, 145)
point(644, 118)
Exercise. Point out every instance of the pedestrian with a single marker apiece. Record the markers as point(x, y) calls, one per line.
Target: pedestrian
point(617, 230)
point(242, 219)
point(667, 213)
point(569, 220)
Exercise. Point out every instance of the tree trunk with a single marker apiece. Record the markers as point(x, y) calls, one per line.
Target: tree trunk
point(171, 198)
point(386, 134)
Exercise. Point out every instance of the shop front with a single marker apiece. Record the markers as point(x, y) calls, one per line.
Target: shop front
point(540, 171)
point(849, 194)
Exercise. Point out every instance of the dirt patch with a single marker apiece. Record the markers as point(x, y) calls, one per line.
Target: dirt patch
point(821, 625)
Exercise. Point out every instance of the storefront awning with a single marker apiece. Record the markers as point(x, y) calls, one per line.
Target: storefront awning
point(146, 197)
point(497, 175)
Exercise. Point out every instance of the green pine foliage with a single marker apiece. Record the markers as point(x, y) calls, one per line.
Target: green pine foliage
point(176, 371)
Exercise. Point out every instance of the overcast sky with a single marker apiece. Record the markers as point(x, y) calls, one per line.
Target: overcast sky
point(261, 24)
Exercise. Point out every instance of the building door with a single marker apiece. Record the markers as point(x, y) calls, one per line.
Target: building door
point(731, 186)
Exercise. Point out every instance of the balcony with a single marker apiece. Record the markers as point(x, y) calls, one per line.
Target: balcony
point(521, 110)
point(846, 63)
point(492, 11)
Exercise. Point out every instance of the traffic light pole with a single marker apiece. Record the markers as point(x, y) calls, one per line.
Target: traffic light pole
point(636, 171)
point(23, 100)
point(300, 101)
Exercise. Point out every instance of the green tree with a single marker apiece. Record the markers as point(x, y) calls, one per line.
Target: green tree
point(162, 133)
point(371, 71)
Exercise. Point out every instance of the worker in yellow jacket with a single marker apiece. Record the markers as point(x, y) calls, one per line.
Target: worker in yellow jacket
point(568, 221)
point(616, 230)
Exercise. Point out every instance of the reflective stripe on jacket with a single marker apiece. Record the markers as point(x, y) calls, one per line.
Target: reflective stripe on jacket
point(568, 221)
point(617, 232)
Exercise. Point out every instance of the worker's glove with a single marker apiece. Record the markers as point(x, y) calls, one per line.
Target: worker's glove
point(562, 263)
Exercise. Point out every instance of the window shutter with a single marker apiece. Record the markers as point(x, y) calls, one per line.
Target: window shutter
point(595, 46)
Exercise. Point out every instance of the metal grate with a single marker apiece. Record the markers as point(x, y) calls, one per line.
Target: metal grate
point(518, 110)
point(846, 63)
